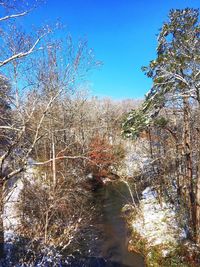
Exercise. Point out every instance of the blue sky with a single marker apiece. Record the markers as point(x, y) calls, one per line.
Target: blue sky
point(122, 34)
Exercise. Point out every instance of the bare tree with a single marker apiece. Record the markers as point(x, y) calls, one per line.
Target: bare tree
point(31, 108)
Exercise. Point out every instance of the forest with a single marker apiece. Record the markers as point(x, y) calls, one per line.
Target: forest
point(91, 181)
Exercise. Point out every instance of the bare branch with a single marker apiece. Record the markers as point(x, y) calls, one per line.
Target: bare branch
point(58, 158)
point(14, 173)
point(9, 128)
point(22, 54)
point(14, 16)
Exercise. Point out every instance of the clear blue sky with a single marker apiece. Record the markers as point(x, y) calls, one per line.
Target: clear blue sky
point(122, 34)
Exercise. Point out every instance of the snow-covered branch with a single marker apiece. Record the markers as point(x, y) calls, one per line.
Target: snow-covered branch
point(13, 16)
point(22, 54)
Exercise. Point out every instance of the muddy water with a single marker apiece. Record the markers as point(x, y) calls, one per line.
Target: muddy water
point(111, 198)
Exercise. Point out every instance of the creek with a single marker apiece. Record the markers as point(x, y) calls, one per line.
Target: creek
point(110, 200)
point(106, 239)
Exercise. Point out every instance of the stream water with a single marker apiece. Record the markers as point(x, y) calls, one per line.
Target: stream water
point(106, 239)
point(110, 200)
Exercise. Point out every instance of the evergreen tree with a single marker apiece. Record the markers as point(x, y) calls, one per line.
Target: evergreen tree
point(176, 82)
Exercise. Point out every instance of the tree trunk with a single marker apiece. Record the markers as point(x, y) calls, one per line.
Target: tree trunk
point(1, 223)
point(188, 183)
point(198, 210)
point(54, 161)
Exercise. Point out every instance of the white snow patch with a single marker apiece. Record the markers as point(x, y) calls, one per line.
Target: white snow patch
point(156, 223)
point(11, 218)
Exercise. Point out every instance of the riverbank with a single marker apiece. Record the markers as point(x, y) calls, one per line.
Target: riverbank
point(157, 235)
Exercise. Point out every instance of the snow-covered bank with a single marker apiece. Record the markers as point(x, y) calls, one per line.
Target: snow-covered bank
point(11, 216)
point(156, 223)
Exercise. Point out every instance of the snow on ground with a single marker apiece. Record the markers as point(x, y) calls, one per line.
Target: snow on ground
point(11, 218)
point(156, 223)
